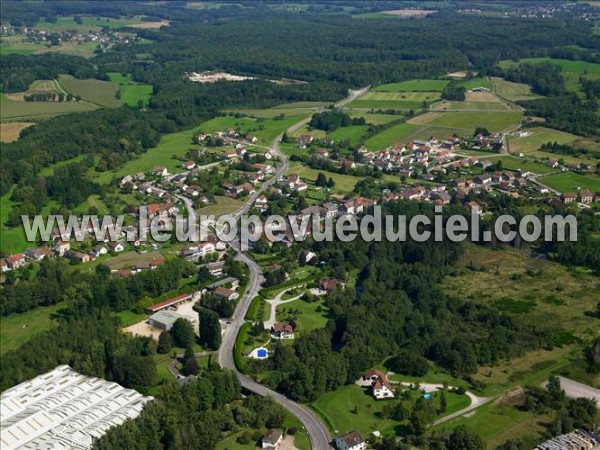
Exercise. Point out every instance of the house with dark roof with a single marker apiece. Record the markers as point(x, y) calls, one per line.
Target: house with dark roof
point(272, 439)
point(282, 330)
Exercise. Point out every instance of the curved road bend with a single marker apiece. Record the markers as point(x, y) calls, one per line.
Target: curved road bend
point(317, 432)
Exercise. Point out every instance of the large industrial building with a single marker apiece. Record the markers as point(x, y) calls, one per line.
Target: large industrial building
point(63, 409)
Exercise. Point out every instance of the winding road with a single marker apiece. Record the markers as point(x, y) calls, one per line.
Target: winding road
point(317, 432)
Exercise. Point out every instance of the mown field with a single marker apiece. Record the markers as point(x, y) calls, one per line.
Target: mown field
point(10, 131)
point(571, 182)
point(513, 91)
point(23, 110)
point(393, 135)
point(353, 134)
point(515, 164)
point(131, 93)
point(343, 183)
point(98, 92)
point(310, 316)
point(394, 100)
point(16, 45)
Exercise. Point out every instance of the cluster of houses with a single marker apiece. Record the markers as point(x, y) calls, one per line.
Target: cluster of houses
point(584, 196)
point(350, 441)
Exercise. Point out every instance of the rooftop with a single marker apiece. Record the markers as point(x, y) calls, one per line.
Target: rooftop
point(63, 409)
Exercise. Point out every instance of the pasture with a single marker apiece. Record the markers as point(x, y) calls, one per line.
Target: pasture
point(394, 100)
point(343, 183)
point(12, 240)
point(223, 205)
point(475, 83)
point(130, 92)
point(17, 329)
point(516, 164)
point(512, 91)
point(26, 110)
point(10, 131)
point(426, 132)
point(88, 24)
point(413, 86)
point(97, 92)
point(373, 118)
point(352, 134)
point(308, 316)
point(571, 182)
point(393, 135)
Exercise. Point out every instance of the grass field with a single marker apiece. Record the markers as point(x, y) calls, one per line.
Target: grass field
point(425, 132)
point(570, 182)
point(10, 131)
point(393, 100)
point(476, 82)
point(372, 118)
point(493, 121)
point(343, 183)
point(308, 317)
point(353, 133)
point(470, 106)
point(570, 70)
point(413, 86)
point(17, 329)
point(11, 240)
point(266, 130)
point(29, 110)
point(98, 92)
point(270, 113)
point(539, 136)
point(513, 91)
point(17, 45)
point(514, 163)
point(130, 91)
point(92, 24)
point(390, 136)
point(224, 205)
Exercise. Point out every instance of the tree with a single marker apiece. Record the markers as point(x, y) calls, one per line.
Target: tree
point(183, 333)
point(190, 365)
point(331, 183)
point(321, 180)
point(407, 362)
point(443, 403)
point(210, 328)
point(464, 439)
point(165, 342)
point(555, 395)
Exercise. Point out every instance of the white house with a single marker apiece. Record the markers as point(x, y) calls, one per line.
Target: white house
point(381, 387)
point(272, 439)
point(116, 246)
point(282, 330)
point(351, 441)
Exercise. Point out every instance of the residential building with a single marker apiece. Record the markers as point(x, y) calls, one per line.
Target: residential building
point(272, 439)
point(380, 386)
point(38, 254)
point(116, 246)
point(15, 261)
point(351, 441)
point(223, 292)
point(62, 247)
point(282, 330)
point(585, 196)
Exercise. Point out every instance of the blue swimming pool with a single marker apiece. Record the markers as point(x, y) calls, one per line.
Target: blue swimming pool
point(261, 353)
point(426, 396)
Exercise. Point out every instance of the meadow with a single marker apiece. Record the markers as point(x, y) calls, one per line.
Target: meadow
point(571, 182)
point(343, 183)
point(413, 86)
point(374, 118)
point(97, 92)
point(309, 316)
point(17, 329)
point(25, 110)
point(469, 120)
point(539, 136)
point(393, 135)
point(513, 91)
point(476, 82)
point(88, 24)
point(516, 164)
point(10, 131)
point(353, 134)
point(131, 93)
point(394, 100)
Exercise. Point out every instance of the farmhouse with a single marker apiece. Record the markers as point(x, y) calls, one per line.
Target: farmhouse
point(272, 439)
point(37, 254)
point(164, 320)
point(62, 247)
point(380, 385)
point(189, 165)
point(351, 441)
point(282, 330)
point(585, 196)
point(15, 261)
point(568, 197)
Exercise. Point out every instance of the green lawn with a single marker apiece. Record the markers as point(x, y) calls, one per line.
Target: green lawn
point(426, 132)
point(308, 317)
point(17, 329)
point(570, 182)
point(18, 49)
point(475, 83)
point(539, 136)
point(393, 135)
point(413, 86)
point(373, 118)
point(12, 240)
point(130, 91)
point(224, 205)
point(353, 133)
point(343, 183)
point(18, 109)
point(98, 92)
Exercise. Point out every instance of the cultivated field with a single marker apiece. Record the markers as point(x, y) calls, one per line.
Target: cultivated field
point(373, 118)
point(476, 82)
point(353, 134)
point(413, 86)
point(571, 182)
point(493, 121)
point(101, 93)
point(24, 110)
point(394, 100)
point(88, 24)
point(515, 164)
point(10, 131)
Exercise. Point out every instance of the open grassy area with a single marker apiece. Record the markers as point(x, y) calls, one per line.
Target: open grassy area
point(476, 82)
point(512, 91)
point(17, 45)
point(373, 118)
point(571, 182)
point(413, 86)
point(309, 316)
point(28, 110)
point(10, 131)
point(131, 92)
point(425, 132)
point(17, 329)
point(343, 183)
point(88, 24)
point(394, 100)
point(12, 240)
point(223, 205)
point(270, 113)
point(570, 70)
point(353, 134)
point(493, 121)
point(98, 92)
point(393, 135)
point(525, 164)
point(266, 130)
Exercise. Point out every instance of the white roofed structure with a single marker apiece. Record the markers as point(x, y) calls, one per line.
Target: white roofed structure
point(63, 409)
